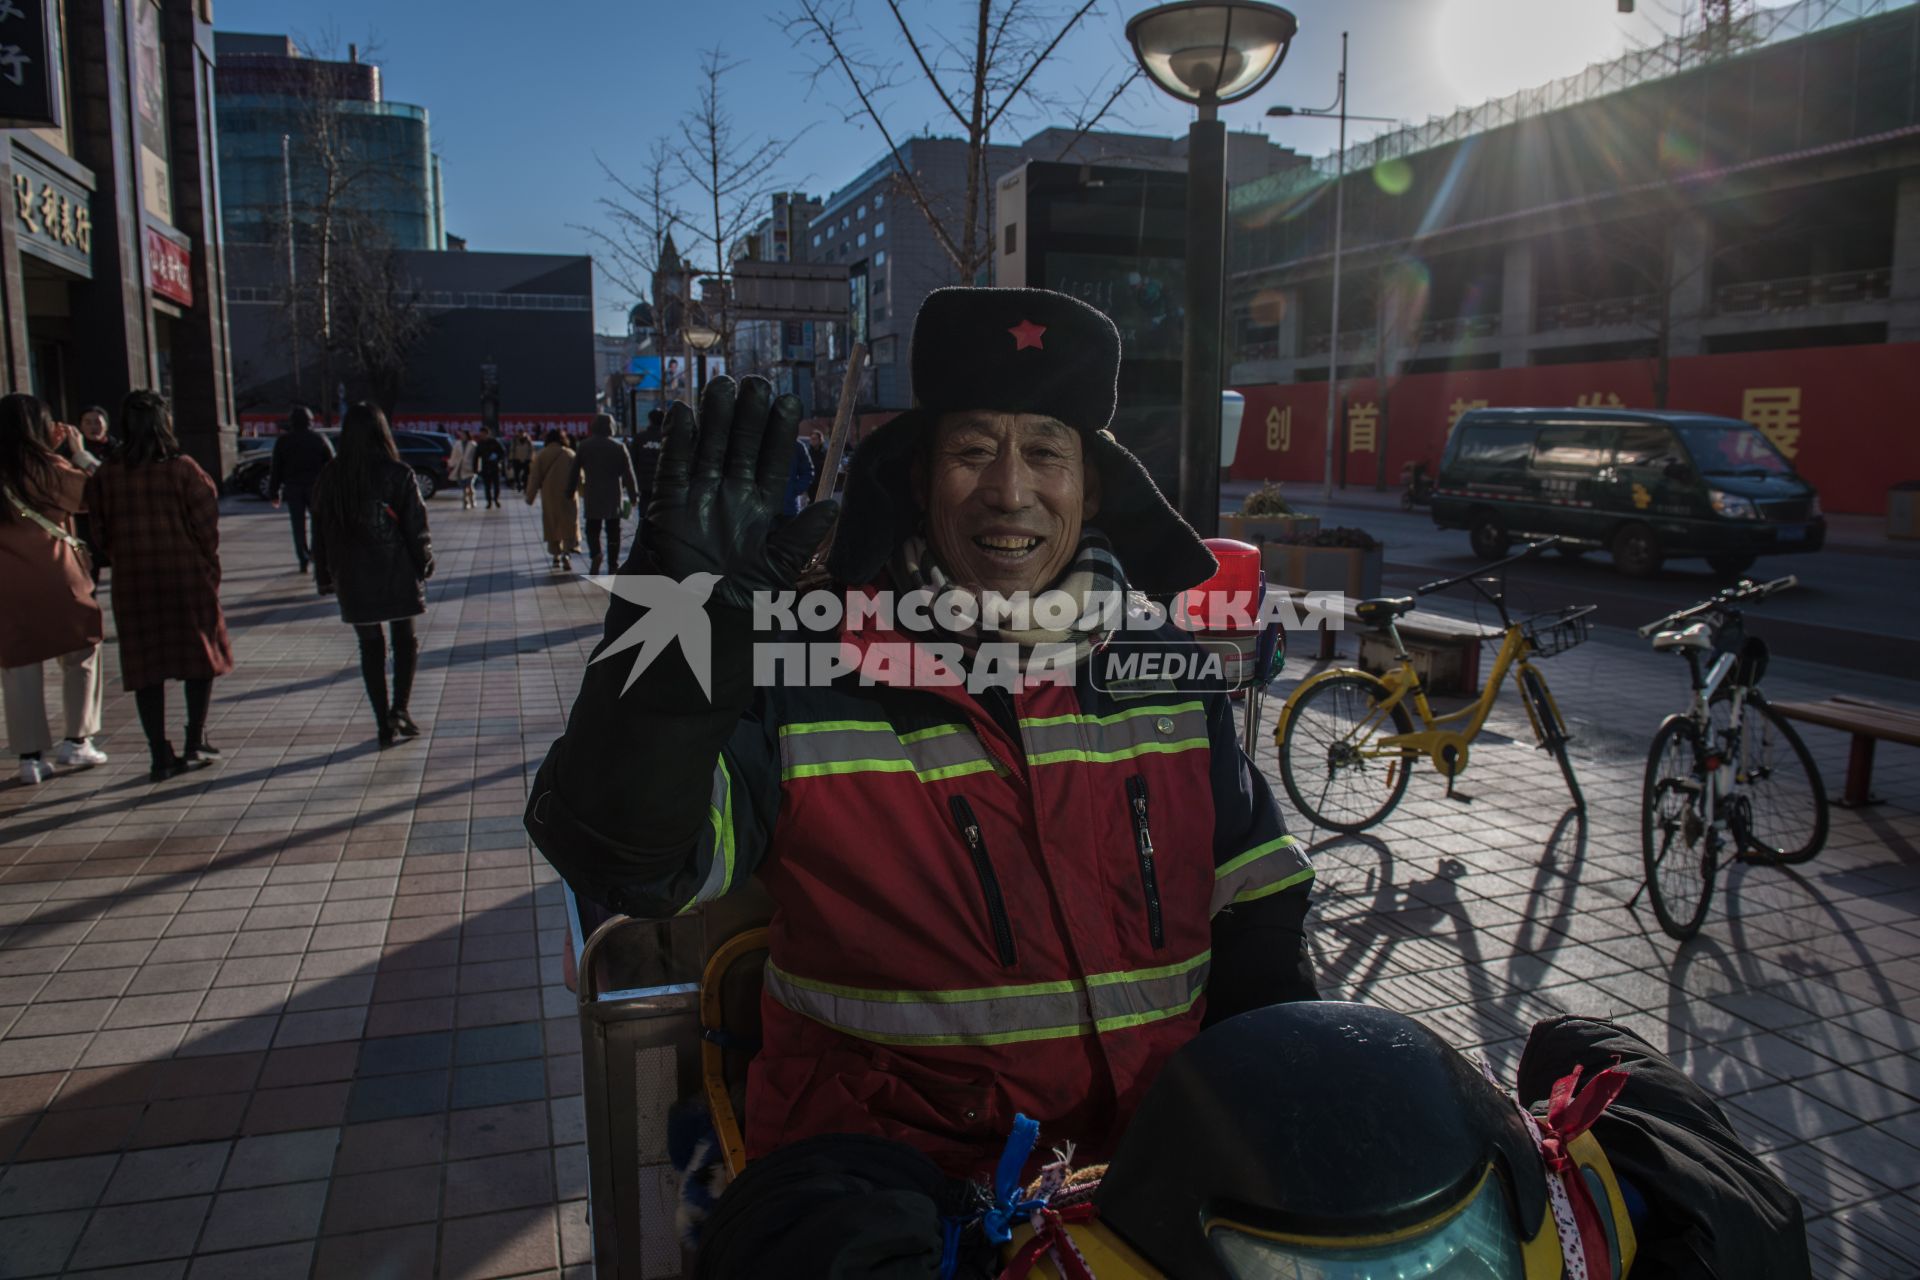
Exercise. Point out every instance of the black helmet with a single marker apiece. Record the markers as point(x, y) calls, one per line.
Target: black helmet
point(1330, 1140)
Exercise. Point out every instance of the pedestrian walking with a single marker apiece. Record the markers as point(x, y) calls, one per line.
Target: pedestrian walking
point(519, 458)
point(602, 472)
point(465, 471)
point(550, 479)
point(800, 480)
point(298, 455)
point(51, 612)
point(372, 550)
point(157, 515)
point(489, 459)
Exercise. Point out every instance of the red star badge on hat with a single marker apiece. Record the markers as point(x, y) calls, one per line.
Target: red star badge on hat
point(1027, 334)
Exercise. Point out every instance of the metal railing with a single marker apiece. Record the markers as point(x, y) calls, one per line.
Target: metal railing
point(1591, 313)
point(1758, 297)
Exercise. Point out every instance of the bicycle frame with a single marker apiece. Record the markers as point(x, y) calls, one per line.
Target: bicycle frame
point(1706, 681)
point(1439, 739)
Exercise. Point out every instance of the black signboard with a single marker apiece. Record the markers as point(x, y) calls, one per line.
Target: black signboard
point(29, 64)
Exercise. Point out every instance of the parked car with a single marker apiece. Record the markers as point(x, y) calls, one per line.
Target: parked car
point(427, 452)
point(1646, 486)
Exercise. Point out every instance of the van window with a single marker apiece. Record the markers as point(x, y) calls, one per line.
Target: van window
point(1492, 445)
point(1570, 448)
point(1645, 444)
point(1732, 447)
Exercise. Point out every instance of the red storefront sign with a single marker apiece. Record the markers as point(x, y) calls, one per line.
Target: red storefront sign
point(169, 269)
point(1845, 416)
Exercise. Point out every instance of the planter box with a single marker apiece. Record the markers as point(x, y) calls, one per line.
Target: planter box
point(1258, 529)
point(1346, 569)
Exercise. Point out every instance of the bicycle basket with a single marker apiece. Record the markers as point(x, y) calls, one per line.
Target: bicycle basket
point(1551, 633)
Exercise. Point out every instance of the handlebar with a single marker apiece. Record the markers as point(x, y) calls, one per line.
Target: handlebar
point(1529, 550)
point(1738, 593)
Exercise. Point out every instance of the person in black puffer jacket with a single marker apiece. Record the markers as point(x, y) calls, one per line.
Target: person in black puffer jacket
point(298, 457)
point(372, 548)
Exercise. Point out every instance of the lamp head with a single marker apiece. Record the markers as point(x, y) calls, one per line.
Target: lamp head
point(1208, 52)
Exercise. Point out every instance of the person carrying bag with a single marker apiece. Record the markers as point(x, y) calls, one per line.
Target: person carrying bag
point(52, 611)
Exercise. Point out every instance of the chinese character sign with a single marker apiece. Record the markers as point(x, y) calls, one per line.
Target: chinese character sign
point(28, 74)
point(1280, 429)
point(1459, 407)
point(1363, 427)
point(1776, 411)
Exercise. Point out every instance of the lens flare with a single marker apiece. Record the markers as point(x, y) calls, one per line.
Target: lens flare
point(1393, 176)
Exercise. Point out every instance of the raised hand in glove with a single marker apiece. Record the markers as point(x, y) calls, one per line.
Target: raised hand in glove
point(722, 482)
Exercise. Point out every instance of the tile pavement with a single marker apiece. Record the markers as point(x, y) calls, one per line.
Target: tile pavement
point(301, 1014)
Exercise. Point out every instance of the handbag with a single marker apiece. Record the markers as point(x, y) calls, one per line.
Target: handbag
point(71, 621)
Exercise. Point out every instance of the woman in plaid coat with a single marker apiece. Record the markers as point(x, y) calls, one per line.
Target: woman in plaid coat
point(157, 517)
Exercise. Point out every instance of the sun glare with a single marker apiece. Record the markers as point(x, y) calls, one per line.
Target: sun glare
point(1489, 48)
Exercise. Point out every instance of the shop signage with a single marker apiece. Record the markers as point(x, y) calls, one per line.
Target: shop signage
point(52, 216)
point(29, 71)
point(169, 268)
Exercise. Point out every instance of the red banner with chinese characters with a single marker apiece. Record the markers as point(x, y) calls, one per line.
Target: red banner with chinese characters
point(1844, 415)
point(169, 268)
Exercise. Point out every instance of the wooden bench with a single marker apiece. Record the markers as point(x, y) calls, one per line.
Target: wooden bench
point(1868, 722)
point(1445, 651)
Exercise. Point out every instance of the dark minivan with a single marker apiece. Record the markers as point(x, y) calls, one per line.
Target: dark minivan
point(1646, 486)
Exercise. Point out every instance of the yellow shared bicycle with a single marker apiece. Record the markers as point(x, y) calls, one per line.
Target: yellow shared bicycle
point(1346, 739)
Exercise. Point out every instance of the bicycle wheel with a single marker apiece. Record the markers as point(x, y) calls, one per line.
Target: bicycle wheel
point(1786, 812)
point(1330, 781)
point(1676, 843)
point(1550, 729)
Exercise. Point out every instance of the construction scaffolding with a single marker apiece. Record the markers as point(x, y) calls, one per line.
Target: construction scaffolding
point(1745, 31)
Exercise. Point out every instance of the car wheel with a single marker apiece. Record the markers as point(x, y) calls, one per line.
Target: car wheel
point(1636, 552)
point(425, 484)
point(1730, 566)
point(1489, 537)
point(263, 487)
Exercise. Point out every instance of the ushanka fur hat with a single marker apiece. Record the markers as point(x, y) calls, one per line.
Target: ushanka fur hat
point(1015, 351)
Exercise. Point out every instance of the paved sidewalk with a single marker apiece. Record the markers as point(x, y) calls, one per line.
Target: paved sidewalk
point(301, 1014)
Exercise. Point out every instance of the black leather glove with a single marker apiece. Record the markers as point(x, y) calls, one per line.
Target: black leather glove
point(721, 484)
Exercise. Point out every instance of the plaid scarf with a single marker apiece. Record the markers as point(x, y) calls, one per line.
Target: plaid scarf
point(1091, 596)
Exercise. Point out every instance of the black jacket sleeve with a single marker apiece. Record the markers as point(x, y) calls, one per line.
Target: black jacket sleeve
point(655, 798)
point(276, 471)
point(413, 526)
point(318, 543)
point(1262, 878)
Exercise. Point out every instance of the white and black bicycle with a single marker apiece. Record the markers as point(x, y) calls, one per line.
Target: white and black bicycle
point(1727, 777)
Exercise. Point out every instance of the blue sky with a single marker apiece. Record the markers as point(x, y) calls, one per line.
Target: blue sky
point(524, 97)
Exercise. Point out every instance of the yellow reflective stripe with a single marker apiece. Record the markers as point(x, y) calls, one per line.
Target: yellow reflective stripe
point(956, 770)
point(827, 768)
point(1261, 871)
point(1077, 755)
point(938, 731)
point(1298, 877)
point(720, 822)
point(1232, 865)
point(1131, 713)
point(1104, 1002)
point(833, 726)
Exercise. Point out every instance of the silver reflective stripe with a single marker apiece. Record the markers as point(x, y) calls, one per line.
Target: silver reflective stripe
point(721, 851)
point(996, 1015)
point(1161, 728)
point(1262, 870)
point(827, 748)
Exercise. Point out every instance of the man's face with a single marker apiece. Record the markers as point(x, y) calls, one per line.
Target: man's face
point(1005, 495)
point(93, 426)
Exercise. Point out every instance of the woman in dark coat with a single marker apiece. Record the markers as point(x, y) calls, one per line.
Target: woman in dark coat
point(372, 548)
point(156, 515)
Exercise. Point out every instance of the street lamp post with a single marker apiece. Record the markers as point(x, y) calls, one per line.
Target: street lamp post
point(1206, 53)
point(701, 339)
point(1338, 110)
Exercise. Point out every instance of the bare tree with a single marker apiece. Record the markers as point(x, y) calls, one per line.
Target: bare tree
point(381, 319)
point(337, 172)
point(982, 61)
point(733, 177)
point(637, 219)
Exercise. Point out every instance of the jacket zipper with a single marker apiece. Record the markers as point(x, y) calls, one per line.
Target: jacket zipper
point(1143, 846)
point(989, 882)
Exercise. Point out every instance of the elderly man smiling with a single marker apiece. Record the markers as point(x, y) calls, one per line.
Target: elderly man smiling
point(1013, 898)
